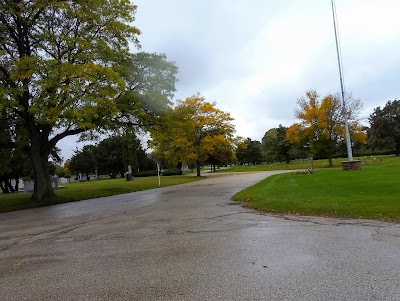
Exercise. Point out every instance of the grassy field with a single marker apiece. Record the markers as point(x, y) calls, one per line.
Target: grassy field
point(86, 190)
point(372, 193)
point(303, 164)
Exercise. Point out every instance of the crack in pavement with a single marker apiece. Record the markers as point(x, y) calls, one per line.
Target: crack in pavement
point(214, 217)
point(384, 237)
point(180, 232)
point(329, 220)
point(109, 237)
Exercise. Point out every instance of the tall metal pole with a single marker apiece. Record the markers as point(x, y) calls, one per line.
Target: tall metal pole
point(346, 123)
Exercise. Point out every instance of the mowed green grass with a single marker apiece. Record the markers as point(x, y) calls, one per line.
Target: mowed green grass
point(371, 193)
point(306, 164)
point(86, 190)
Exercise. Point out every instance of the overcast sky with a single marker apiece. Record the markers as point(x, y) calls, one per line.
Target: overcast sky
point(255, 58)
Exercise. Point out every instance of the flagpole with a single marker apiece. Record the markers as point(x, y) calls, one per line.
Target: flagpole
point(346, 123)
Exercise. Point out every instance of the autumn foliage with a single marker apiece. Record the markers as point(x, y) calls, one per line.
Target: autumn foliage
point(321, 125)
point(193, 131)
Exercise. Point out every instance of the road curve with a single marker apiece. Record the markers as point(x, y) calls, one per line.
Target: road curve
point(190, 242)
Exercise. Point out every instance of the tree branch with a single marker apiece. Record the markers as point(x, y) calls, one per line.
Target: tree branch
point(53, 141)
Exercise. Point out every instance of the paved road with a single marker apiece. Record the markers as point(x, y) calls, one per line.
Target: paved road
point(190, 242)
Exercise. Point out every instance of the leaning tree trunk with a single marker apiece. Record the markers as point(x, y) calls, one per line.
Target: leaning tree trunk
point(198, 167)
point(42, 186)
point(8, 185)
point(3, 188)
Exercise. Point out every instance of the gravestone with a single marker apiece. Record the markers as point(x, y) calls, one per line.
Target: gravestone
point(54, 182)
point(28, 185)
point(129, 174)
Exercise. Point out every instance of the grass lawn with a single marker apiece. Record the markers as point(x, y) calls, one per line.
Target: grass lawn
point(305, 164)
point(86, 190)
point(372, 193)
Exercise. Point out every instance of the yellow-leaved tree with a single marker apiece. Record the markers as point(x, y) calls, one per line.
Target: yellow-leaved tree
point(321, 125)
point(194, 131)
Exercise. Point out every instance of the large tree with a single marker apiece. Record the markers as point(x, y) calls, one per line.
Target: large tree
point(385, 126)
point(193, 131)
point(6, 150)
point(275, 145)
point(65, 69)
point(15, 162)
point(116, 153)
point(321, 124)
point(111, 156)
point(250, 153)
point(83, 161)
point(108, 154)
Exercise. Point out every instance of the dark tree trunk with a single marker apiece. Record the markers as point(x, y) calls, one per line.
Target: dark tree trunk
point(287, 158)
point(398, 149)
point(198, 167)
point(8, 185)
point(3, 188)
point(42, 186)
point(330, 161)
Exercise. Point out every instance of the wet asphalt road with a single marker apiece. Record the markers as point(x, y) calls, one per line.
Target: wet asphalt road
point(190, 242)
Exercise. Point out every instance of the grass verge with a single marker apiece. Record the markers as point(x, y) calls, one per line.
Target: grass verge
point(371, 193)
point(87, 190)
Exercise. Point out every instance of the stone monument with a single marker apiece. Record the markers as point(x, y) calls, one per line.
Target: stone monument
point(129, 174)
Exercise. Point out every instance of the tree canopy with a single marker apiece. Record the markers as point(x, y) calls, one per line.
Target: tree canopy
point(250, 152)
point(66, 69)
point(321, 125)
point(385, 126)
point(275, 145)
point(111, 156)
point(193, 131)
point(83, 161)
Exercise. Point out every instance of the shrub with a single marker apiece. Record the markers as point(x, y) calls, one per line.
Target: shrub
point(146, 173)
point(172, 172)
